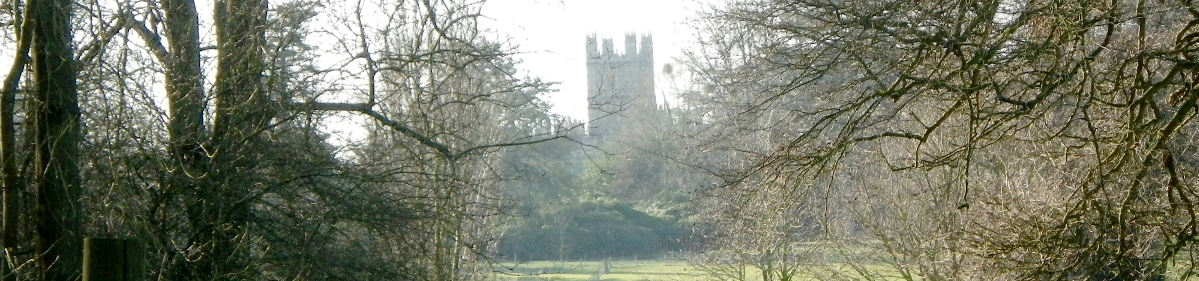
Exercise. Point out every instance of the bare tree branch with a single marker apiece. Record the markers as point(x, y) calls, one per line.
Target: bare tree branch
point(151, 38)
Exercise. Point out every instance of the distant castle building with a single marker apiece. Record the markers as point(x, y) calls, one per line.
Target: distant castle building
point(620, 86)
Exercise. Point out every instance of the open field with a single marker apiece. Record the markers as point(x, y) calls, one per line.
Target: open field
point(678, 270)
point(648, 270)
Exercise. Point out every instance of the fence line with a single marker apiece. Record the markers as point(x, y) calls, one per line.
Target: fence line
point(604, 268)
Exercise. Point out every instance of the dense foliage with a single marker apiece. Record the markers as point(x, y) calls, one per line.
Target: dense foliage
point(591, 229)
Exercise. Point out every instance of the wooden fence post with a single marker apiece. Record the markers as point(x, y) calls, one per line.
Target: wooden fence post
point(113, 259)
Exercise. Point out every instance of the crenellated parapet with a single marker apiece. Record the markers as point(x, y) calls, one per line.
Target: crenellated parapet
point(634, 47)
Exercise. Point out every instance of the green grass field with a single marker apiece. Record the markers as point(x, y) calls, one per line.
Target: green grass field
point(816, 264)
point(649, 270)
point(677, 270)
point(644, 270)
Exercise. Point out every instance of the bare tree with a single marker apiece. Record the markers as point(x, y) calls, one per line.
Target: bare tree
point(229, 175)
point(228, 196)
point(45, 37)
point(1041, 140)
point(8, 140)
point(444, 98)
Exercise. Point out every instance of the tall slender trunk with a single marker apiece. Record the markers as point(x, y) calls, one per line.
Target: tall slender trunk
point(221, 210)
point(8, 154)
point(184, 82)
point(185, 128)
point(55, 115)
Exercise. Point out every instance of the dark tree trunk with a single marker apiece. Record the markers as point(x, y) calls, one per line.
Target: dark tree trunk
point(185, 98)
point(184, 82)
point(220, 210)
point(55, 118)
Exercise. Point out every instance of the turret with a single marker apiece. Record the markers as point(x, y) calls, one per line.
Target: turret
point(609, 48)
point(592, 47)
point(647, 45)
point(630, 44)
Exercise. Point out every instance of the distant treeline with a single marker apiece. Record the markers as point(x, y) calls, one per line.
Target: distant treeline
point(590, 230)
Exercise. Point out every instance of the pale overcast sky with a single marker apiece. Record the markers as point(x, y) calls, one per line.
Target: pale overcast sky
point(552, 33)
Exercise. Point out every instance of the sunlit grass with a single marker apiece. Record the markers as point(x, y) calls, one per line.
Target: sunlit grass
point(672, 270)
point(649, 270)
point(625, 270)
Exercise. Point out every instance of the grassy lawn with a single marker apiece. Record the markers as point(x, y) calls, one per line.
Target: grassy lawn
point(817, 264)
point(650, 270)
point(677, 270)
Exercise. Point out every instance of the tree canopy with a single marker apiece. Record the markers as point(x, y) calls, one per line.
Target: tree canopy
point(1010, 139)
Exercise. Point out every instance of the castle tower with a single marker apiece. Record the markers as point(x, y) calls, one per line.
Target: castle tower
point(620, 86)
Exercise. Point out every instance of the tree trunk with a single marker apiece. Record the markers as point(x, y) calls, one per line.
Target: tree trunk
point(55, 115)
point(185, 98)
point(184, 82)
point(8, 139)
point(220, 211)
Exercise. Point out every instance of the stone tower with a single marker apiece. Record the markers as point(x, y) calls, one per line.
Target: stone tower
point(620, 86)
